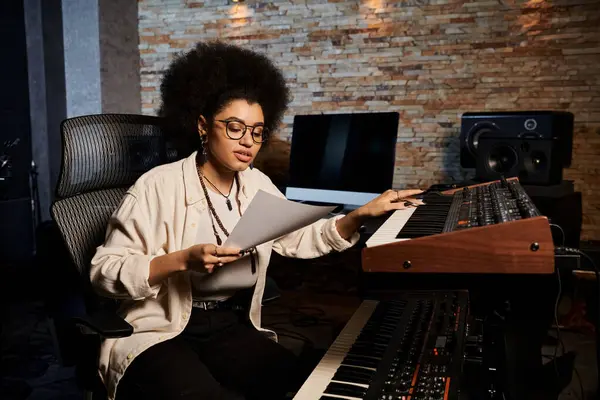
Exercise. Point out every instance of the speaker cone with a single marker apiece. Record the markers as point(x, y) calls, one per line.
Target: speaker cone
point(502, 158)
point(536, 161)
point(479, 130)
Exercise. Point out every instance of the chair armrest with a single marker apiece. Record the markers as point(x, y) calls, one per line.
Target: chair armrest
point(104, 323)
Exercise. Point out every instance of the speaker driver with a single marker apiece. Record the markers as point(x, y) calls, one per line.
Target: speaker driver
point(479, 130)
point(536, 161)
point(502, 158)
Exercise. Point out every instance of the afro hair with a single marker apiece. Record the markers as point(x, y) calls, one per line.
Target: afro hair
point(210, 76)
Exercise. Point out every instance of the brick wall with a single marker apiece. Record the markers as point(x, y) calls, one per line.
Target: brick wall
point(430, 60)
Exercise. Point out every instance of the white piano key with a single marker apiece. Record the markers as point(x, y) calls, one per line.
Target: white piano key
point(339, 396)
point(362, 385)
point(323, 374)
point(389, 229)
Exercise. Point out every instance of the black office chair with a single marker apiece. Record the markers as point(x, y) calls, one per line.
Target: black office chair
point(102, 156)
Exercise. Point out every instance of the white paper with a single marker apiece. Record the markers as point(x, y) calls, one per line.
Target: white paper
point(269, 217)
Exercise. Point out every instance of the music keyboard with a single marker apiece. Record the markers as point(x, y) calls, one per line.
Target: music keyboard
point(470, 207)
point(407, 347)
point(331, 362)
point(488, 228)
point(389, 229)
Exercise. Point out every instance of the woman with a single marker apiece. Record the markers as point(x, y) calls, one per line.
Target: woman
point(195, 336)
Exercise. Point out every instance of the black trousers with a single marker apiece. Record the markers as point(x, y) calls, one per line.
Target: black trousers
point(218, 356)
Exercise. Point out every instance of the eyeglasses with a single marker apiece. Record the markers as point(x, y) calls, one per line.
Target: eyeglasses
point(236, 130)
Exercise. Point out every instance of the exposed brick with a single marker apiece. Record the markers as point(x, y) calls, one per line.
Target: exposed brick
point(430, 60)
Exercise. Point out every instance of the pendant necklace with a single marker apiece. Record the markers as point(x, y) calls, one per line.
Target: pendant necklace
point(213, 212)
point(215, 216)
point(227, 201)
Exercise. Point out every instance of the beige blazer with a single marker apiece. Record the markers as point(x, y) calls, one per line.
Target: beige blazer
point(159, 214)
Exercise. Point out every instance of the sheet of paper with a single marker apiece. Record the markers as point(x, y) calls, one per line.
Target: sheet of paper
point(269, 217)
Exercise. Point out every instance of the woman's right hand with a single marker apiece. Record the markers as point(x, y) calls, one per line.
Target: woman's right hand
point(205, 257)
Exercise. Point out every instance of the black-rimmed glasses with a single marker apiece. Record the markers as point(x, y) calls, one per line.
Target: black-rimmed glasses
point(237, 129)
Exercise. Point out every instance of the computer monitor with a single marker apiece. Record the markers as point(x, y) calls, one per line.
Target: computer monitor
point(343, 159)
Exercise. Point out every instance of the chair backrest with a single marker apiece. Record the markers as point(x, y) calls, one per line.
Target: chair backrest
point(102, 156)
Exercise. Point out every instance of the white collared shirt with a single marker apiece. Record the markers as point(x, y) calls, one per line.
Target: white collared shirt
point(160, 214)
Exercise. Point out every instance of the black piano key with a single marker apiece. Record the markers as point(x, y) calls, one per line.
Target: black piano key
point(386, 324)
point(353, 375)
point(344, 389)
point(352, 379)
point(428, 219)
point(356, 370)
point(373, 340)
point(361, 361)
point(367, 343)
point(366, 352)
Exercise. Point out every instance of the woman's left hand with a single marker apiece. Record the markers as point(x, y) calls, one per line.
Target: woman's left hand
point(389, 201)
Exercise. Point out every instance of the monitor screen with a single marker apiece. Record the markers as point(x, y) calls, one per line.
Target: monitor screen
point(342, 158)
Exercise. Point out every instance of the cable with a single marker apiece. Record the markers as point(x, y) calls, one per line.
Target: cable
point(558, 338)
point(564, 237)
point(558, 295)
point(571, 250)
point(580, 383)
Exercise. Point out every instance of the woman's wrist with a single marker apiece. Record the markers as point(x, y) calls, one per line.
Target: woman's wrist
point(182, 260)
point(360, 214)
point(349, 224)
point(164, 266)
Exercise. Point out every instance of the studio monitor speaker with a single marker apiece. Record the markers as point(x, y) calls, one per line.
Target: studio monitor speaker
point(548, 126)
point(533, 161)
